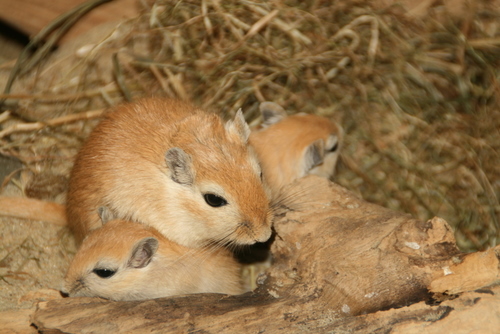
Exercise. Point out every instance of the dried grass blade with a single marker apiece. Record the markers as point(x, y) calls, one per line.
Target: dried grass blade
point(257, 26)
point(24, 127)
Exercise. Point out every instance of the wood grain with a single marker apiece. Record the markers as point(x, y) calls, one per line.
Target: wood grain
point(338, 262)
point(30, 16)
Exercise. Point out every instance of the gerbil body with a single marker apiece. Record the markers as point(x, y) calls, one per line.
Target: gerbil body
point(290, 147)
point(130, 261)
point(168, 164)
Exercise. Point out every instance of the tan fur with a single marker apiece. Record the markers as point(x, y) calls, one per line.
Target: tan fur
point(172, 270)
point(34, 209)
point(282, 145)
point(122, 166)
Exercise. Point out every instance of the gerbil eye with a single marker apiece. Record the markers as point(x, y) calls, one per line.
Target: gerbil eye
point(104, 273)
point(334, 147)
point(214, 200)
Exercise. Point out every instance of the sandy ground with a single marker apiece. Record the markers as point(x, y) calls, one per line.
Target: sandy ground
point(34, 255)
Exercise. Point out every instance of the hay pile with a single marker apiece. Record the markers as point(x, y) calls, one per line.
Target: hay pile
point(418, 98)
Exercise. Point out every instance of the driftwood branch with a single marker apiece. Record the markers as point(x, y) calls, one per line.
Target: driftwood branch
point(338, 263)
point(35, 126)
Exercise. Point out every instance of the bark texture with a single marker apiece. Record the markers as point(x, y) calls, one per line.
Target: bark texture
point(31, 16)
point(339, 262)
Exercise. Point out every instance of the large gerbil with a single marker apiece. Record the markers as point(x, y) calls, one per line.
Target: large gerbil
point(290, 147)
point(131, 261)
point(171, 165)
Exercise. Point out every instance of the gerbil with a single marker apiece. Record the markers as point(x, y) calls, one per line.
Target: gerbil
point(171, 165)
point(124, 260)
point(290, 147)
point(34, 209)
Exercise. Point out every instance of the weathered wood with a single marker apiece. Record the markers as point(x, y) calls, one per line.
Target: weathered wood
point(469, 273)
point(16, 322)
point(472, 312)
point(30, 16)
point(477, 311)
point(336, 257)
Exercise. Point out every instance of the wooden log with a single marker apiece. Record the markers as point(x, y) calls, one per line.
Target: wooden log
point(30, 16)
point(16, 322)
point(472, 312)
point(458, 277)
point(336, 259)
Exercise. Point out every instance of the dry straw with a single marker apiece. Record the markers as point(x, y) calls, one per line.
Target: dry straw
point(417, 97)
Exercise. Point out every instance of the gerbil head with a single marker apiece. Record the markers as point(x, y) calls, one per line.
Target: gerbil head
point(219, 195)
point(320, 157)
point(124, 260)
point(291, 147)
point(111, 260)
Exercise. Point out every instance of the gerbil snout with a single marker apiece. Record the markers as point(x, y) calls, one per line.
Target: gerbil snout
point(264, 236)
point(124, 260)
point(249, 232)
point(72, 287)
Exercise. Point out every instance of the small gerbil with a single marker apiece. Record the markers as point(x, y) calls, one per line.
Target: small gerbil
point(171, 165)
point(124, 260)
point(290, 147)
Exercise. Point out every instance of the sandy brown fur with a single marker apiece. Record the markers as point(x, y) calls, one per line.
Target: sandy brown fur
point(122, 166)
point(35, 209)
point(172, 270)
point(281, 148)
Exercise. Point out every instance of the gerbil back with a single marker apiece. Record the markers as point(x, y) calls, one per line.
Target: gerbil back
point(168, 164)
point(290, 147)
point(109, 151)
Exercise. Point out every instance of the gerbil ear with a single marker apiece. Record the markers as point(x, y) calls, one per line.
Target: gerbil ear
point(105, 214)
point(143, 252)
point(271, 112)
point(314, 155)
point(239, 126)
point(179, 163)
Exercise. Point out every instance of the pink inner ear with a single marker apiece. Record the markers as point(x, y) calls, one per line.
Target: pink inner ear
point(314, 155)
point(239, 126)
point(179, 164)
point(143, 253)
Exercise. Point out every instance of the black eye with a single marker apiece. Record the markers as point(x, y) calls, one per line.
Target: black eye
point(214, 200)
point(334, 147)
point(104, 273)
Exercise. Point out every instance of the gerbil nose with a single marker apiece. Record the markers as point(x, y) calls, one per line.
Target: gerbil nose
point(264, 236)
